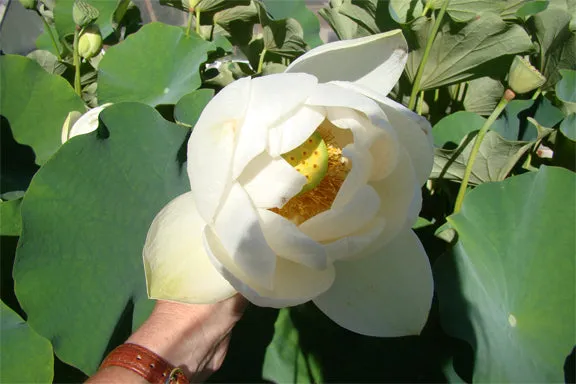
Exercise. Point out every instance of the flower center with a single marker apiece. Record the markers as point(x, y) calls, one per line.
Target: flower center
point(320, 159)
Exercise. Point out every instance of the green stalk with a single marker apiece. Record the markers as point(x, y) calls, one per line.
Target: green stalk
point(426, 8)
point(537, 93)
point(189, 27)
point(420, 103)
point(261, 61)
point(198, 21)
point(77, 86)
point(508, 95)
point(435, 28)
point(49, 30)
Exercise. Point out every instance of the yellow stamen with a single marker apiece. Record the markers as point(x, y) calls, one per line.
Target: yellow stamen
point(311, 202)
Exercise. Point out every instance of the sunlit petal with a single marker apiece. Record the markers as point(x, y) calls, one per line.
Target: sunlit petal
point(271, 182)
point(176, 264)
point(374, 61)
point(293, 283)
point(289, 242)
point(386, 294)
point(238, 228)
point(211, 146)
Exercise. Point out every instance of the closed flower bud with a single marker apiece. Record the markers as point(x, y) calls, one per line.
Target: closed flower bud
point(523, 77)
point(29, 4)
point(84, 13)
point(90, 43)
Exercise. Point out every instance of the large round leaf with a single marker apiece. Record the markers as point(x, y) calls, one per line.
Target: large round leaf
point(26, 356)
point(508, 287)
point(35, 103)
point(156, 65)
point(78, 270)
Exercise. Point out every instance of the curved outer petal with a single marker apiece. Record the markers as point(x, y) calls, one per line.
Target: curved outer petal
point(87, 123)
point(335, 223)
point(211, 146)
point(176, 264)
point(400, 195)
point(238, 228)
point(386, 294)
point(350, 246)
point(271, 182)
point(293, 283)
point(334, 95)
point(414, 132)
point(289, 242)
point(272, 100)
point(374, 61)
point(293, 131)
point(362, 164)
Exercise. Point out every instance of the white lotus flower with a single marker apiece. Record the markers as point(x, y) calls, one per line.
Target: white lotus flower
point(305, 186)
point(81, 124)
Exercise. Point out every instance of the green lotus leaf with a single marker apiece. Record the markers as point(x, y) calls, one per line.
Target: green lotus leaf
point(507, 288)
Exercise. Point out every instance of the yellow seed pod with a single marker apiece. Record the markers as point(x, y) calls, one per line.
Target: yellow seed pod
point(310, 159)
point(90, 43)
point(523, 77)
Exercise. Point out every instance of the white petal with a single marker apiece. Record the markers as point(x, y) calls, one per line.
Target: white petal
point(289, 242)
point(238, 228)
point(88, 122)
point(293, 283)
point(363, 132)
point(293, 131)
point(335, 223)
point(400, 196)
point(374, 61)
point(273, 99)
point(176, 264)
point(333, 95)
point(211, 146)
point(387, 294)
point(414, 132)
point(358, 176)
point(271, 182)
point(352, 245)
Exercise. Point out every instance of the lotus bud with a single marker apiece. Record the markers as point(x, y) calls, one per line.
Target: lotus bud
point(29, 4)
point(90, 43)
point(523, 77)
point(84, 13)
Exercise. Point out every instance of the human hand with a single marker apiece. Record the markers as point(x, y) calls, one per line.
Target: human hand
point(193, 337)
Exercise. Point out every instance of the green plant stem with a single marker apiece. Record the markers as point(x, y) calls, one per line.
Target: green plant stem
point(537, 93)
point(49, 30)
point(77, 86)
point(426, 8)
point(477, 142)
point(436, 94)
point(261, 61)
point(197, 21)
point(431, 37)
point(420, 103)
point(189, 26)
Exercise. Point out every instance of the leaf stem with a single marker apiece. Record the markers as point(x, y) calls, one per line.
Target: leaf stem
point(261, 61)
point(420, 103)
point(508, 95)
point(426, 8)
point(49, 30)
point(431, 37)
point(189, 26)
point(537, 93)
point(197, 21)
point(77, 86)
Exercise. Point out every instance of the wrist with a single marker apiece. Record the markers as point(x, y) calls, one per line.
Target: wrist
point(190, 336)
